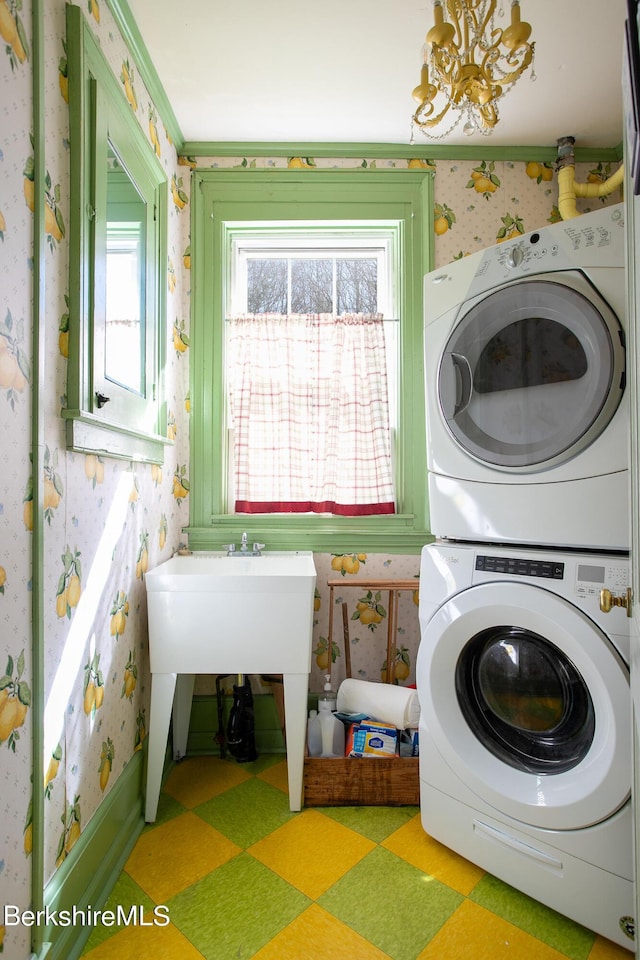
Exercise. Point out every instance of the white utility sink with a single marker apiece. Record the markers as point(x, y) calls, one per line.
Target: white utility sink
point(213, 613)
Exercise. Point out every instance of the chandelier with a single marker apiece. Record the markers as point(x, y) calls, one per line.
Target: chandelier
point(469, 65)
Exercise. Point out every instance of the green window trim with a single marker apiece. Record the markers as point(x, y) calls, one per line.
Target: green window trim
point(225, 197)
point(133, 426)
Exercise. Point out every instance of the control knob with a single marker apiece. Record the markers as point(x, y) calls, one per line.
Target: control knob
point(514, 257)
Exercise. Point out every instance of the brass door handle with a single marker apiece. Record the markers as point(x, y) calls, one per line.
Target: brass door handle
point(608, 600)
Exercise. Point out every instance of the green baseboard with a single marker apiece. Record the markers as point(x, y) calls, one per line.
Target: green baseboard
point(87, 876)
point(203, 726)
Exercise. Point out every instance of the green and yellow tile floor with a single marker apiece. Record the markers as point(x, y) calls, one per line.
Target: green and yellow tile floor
point(241, 876)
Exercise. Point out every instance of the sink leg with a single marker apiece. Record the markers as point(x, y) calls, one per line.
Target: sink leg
point(296, 687)
point(182, 714)
point(163, 686)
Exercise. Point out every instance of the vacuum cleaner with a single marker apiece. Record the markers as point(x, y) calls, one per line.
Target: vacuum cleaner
point(241, 728)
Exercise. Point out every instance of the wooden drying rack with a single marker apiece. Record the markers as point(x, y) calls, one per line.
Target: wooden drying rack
point(395, 587)
point(344, 781)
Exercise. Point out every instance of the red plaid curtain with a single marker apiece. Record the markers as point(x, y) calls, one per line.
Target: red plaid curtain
point(310, 414)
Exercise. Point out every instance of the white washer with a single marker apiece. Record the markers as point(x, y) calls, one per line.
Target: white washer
point(527, 415)
point(525, 730)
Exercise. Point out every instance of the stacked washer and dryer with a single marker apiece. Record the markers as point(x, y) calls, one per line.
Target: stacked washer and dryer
point(523, 665)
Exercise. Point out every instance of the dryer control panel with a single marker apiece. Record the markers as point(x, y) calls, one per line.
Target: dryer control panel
point(594, 240)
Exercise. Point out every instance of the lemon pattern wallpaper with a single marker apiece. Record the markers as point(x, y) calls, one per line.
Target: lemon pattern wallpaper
point(106, 522)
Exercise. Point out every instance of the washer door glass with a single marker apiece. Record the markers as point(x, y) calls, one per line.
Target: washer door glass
point(524, 700)
point(532, 372)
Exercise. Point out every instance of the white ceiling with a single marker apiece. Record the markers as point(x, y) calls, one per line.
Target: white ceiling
point(343, 70)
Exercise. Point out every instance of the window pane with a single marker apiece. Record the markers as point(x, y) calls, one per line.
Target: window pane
point(283, 369)
point(124, 326)
point(267, 286)
point(312, 286)
point(126, 279)
point(357, 286)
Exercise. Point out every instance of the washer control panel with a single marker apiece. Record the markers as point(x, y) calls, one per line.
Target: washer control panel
point(591, 578)
point(521, 567)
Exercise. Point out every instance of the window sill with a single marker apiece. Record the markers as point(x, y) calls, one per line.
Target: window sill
point(87, 434)
point(388, 534)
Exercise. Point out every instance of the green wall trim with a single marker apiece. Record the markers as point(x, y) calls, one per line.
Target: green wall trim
point(133, 38)
point(87, 434)
point(86, 877)
point(391, 534)
point(400, 199)
point(37, 468)
point(131, 426)
point(393, 151)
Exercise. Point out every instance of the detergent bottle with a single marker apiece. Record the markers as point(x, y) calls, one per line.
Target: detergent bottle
point(314, 734)
point(331, 728)
point(328, 699)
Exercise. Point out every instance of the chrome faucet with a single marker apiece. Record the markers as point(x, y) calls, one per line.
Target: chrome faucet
point(244, 548)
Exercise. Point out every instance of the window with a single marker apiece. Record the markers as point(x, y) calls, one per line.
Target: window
point(284, 241)
point(311, 364)
point(118, 249)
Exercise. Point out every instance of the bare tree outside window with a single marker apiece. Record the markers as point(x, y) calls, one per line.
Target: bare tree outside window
point(357, 286)
point(267, 286)
point(312, 285)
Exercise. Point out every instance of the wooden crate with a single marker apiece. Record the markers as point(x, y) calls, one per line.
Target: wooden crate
point(364, 781)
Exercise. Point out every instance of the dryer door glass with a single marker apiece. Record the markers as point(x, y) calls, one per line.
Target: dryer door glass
point(532, 373)
point(524, 700)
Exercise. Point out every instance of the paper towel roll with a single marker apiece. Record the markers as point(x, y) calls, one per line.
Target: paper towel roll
point(388, 703)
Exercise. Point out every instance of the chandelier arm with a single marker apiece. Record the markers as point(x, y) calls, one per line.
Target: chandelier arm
point(494, 42)
point(444, 65)
point(525, 50)
point(488, 116)
point(455, 19)
point(447, 77)
point(518, 68)
point(431, 121)
point(489, 60)
point(481, 27)
point(486, 71)
point(468, 15)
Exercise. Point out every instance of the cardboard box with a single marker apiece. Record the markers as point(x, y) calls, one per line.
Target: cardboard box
point(373, 739)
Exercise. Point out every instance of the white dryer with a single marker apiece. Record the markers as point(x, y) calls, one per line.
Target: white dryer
point(527, 416)
point(525, 730)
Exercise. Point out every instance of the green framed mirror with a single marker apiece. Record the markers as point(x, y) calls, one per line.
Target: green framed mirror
point(118, 231)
